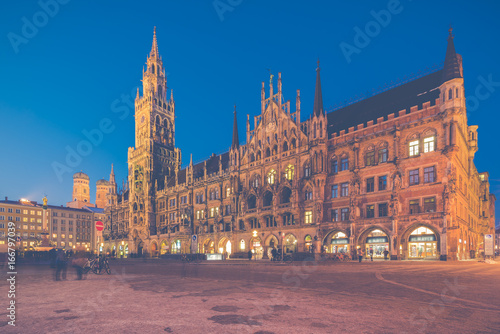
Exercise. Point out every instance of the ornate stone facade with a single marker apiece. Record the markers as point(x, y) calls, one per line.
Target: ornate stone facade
point(393, 172)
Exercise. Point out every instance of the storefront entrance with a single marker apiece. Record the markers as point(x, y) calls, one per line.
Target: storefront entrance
point(290, 244)
point(256, 248)
point(376, 242)
point(208, 246)
point(339, 243)
point(422, 244)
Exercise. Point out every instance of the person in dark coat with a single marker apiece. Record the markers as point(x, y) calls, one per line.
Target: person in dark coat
point(250, 255)
point(360, 255)
point(274, 253)
point(61, 265)
point(386, 253)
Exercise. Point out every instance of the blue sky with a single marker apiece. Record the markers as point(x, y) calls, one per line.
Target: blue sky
point(63, 77)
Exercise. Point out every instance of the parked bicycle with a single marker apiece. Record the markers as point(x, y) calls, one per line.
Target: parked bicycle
point(97, 265)
point(195, 258)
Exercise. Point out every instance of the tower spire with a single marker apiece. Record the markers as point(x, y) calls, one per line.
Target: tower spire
point(318, 98)
point(236, 142)
point(112, 175)
point(451, 68)
point(154, 47)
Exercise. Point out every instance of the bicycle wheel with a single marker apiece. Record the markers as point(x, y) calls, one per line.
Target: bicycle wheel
point(288, 259)
point(96, 269)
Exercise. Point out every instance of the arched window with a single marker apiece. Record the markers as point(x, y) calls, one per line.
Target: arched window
point(383, 155)
point(308, 195)
point(268, 199)
point(321, 129)
point(259, 156)
point(293, 144)
point(285, 146)
point(286, 193)
point(275, 149)
point(450, 94)
point(307, 169)
point(271, 177)
point(289, 172)
point(268, 152)
point(254, 182)
point(334, 165)
point(370, 157)
point(251, 202)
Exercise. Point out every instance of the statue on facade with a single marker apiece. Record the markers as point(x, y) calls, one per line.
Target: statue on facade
point(396, 185)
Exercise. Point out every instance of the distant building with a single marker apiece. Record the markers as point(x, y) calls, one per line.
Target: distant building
point(393, 172)
point(68, 228)
point(81, 191)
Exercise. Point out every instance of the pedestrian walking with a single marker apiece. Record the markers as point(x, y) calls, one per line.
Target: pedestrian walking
point(250, 255)
point(274, 254)
point(371, 254)
point(61, 265)
point(78, 262)
point(360, 255)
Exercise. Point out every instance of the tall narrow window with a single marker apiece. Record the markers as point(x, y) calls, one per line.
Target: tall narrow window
point(344, 214)
point(382, 182)
point(344, 164)
point(414, 177)
point(382, 155)
point(414, 206)
point(335, 215)
point(307, 170)
point(429, 174)
point(429, 144)
point(344, 189)
point(382, 210)
point(335, 166)
point(370, 158)
point(413, 148)
point(335, 191)
point(308, 217)
point(370, 185)
point(430, 204)
point(370, 211)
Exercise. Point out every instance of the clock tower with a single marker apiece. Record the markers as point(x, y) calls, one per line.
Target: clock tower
point(154, 158)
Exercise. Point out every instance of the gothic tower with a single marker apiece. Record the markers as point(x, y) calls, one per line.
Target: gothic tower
point(153, 159)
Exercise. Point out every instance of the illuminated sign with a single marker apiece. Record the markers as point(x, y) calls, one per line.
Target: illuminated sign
point(340, 241)
point(376, 240)
point(423, 237)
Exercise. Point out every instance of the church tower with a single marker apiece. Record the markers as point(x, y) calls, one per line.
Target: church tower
point(154, 158)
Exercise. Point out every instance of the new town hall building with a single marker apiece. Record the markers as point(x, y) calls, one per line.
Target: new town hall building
point(392, 172)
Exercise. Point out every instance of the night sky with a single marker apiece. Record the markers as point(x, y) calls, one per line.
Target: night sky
point(84, 61)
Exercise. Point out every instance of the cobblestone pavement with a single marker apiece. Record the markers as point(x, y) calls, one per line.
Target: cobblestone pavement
point(249, 297)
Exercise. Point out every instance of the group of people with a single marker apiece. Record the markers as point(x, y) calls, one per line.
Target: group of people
point(60, 260)
point(361, 254)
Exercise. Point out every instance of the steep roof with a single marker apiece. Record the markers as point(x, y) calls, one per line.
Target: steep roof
point(413, 93)
point(318, 97)
point(451, 68)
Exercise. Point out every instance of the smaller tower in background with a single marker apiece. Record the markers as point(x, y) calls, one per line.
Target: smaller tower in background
point(81, 191)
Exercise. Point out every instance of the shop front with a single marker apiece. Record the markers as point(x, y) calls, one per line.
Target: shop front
point(422, 244)
point(376, 242)
point(256, 247)
point(290, 245)
point(176, 247)
point(208, 247)
point(339, 243)
point(163, 247)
